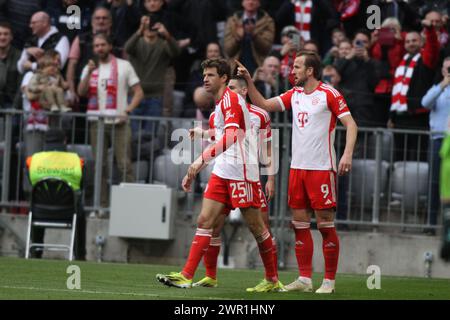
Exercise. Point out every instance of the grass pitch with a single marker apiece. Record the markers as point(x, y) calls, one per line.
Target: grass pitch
point(47, 279)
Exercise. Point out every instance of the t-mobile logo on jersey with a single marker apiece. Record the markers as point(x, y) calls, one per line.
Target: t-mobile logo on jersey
point(302, 118)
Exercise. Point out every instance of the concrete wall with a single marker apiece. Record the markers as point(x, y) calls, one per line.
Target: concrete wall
point(396, 254)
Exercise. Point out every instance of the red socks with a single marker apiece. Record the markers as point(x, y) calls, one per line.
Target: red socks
point(212, 254)
point(266, 252)
point(199, 246)
point(330, 247)
point(210, 257)
point(304, 248)
point(275, 254)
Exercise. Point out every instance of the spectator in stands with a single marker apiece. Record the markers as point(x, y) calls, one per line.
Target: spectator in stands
point(203, 16)
point(249, 35)
point(9, 75)
point(61, 19)
point(388, 49)
point(437, 101)
point(413, 77)
point(313, 18)
point(47, 86)
point(267, 78)
point(311, 45)
point(331, 76)
point(125, 19)
point(71, 171)
point(18, 13)
point(358, 80)
point(150, 51)
point(402, 11)
point(437, 21)
point(337, 36)
point(45, 37)
point(344, 49)
point(291, 43)
point(107, 85)
point(213, 51)
point(37, 123)
point(81, 50)
point(270, 6)
point(179, 29)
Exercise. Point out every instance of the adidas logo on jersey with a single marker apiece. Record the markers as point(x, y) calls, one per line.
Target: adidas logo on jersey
point(299, 243)
point(328, 202)
point(242, 201)
point(330, 245)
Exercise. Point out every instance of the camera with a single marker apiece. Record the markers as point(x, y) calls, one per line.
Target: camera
point(295, 37)
point(359, 43)
point(448, 70)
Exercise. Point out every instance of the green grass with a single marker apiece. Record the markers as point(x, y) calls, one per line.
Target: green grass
point(46, 279)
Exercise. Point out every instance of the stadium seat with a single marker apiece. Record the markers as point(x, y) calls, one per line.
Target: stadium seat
point(85, 152)
point(410, 184)
point(386, 146)
point(141, 170)
point(53, 205)
point(167, 172)
point(362, 181)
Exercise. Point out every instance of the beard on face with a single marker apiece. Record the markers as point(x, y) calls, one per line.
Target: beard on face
point(103, 55)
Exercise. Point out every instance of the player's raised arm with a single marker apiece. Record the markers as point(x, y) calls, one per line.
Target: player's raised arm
point(270, 105)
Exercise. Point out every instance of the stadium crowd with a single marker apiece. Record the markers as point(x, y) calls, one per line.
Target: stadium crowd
point(157, 46)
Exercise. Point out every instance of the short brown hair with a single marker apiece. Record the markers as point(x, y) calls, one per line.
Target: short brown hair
point(6, 25)
point(241, 80)
point(312, 60)
point(222, 66)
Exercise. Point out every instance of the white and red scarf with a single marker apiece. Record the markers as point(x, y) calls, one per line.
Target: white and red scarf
point(303, 17)
point(111, 88)
point(402, 78)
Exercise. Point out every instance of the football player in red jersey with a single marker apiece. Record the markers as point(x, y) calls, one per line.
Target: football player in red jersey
point(234, 182)
point(312, 180)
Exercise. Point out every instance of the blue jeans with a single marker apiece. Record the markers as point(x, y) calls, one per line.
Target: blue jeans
point(150, 107)
point(435, 167)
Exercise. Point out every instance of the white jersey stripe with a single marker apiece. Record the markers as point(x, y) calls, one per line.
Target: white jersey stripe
point(343, 114)
point(280, 102)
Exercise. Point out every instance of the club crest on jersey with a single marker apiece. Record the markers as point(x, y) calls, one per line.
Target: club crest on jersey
point(229, 115)
point(302, 118)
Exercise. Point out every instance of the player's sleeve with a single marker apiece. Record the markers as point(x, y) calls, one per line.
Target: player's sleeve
point(232, 112)
point(284, 100)
point(266, 131)
point(337, 103)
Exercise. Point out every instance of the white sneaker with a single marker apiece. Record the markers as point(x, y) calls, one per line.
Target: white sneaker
point(54, 108)
point(326, 287)
point(301, 284)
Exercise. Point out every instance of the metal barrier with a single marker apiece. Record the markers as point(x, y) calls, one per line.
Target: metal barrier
point(389, 186)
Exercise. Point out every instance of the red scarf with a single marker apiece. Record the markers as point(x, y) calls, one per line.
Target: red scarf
point(303, 19)
point(111, 88)
point(36, 120)
point(402, 79)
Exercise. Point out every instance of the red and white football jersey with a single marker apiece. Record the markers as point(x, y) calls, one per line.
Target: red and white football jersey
point(314, 119)
point(259, 121)
point(240, 161)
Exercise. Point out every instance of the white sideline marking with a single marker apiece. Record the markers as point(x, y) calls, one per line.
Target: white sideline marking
point(113, 293)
